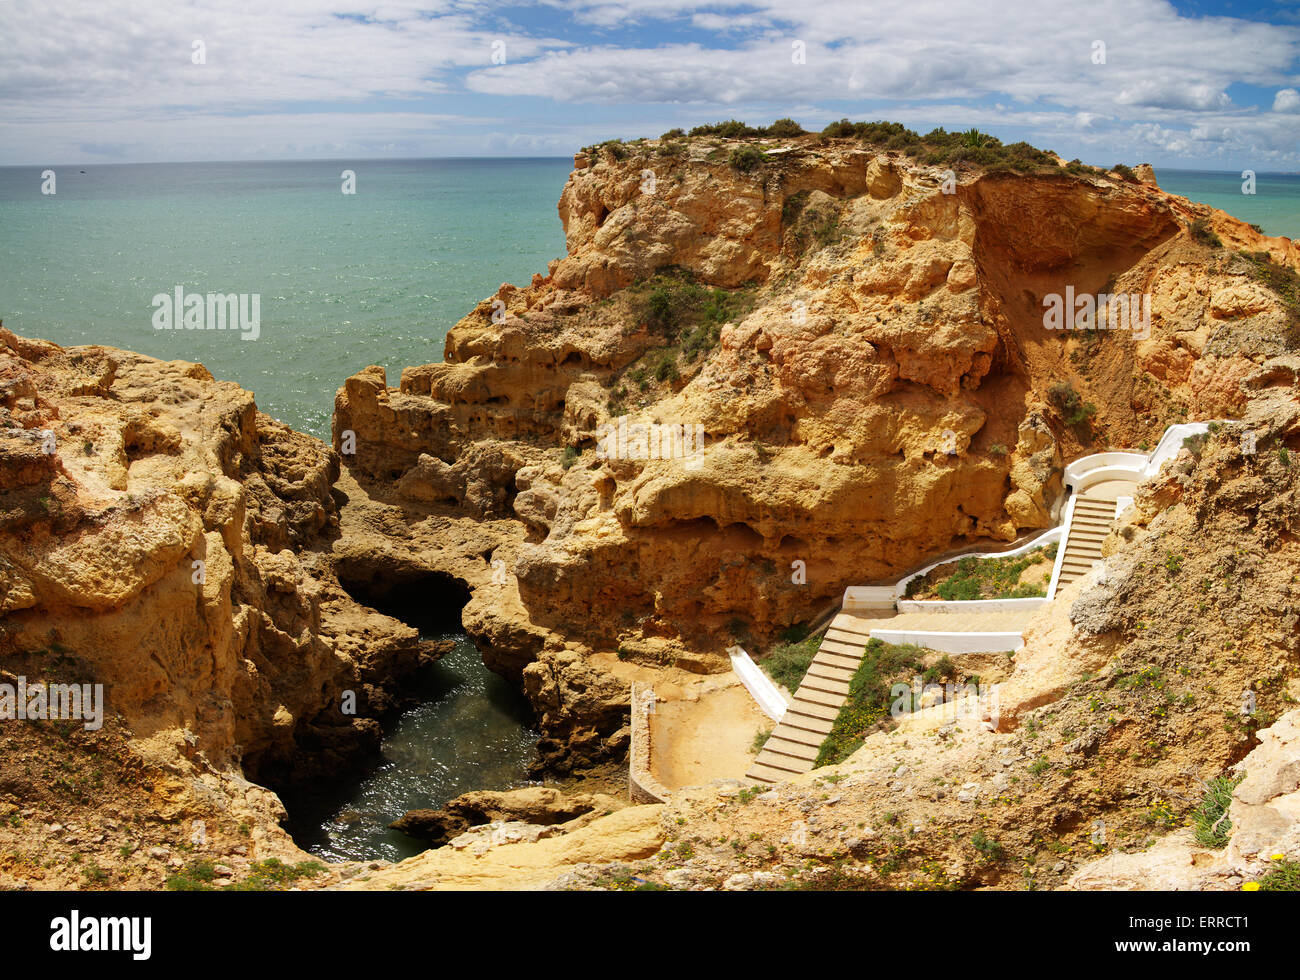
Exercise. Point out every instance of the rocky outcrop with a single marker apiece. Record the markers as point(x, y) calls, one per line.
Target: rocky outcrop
point(159, 536)
point(536, 805)
point(865, 356)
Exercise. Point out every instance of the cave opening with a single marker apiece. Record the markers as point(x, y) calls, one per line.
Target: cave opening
point(430, 601)
point(460, 728)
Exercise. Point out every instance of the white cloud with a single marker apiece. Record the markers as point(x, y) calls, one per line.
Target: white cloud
point(117, 69)
point(1286, 100)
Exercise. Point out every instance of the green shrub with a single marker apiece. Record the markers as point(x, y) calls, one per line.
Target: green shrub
point(571, 455)
point(784, 128)
point(1073, 409)
point(787, 662)
point(869, 699)
point(988, 848)
point(1284, 877)
point(666, 368)
point(732, 129)
point(615, 149)
point(675, 133)
point(194, 877)
point(1125, 171)
point(1210, 819)
point(746, 158)
point(1201, 231)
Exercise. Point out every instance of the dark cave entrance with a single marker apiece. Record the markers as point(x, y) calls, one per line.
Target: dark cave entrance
point(461, 728)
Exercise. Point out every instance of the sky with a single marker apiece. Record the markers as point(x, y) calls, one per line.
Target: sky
point(1211, 85)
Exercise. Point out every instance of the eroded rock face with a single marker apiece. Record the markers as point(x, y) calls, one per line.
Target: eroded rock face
point(156, 530)
point(881, 384)
point(536, 805)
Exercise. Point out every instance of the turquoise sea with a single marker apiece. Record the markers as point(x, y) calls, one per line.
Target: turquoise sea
point(376, 277)
point(1275, 205)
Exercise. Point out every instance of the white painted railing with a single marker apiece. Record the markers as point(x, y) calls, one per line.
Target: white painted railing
point(1100, 467)
point(1172, 441)
point(761, 687)
point(1047, 537)
point(1066, 518)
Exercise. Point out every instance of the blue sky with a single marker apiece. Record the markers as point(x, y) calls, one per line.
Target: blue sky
point(1185, 84)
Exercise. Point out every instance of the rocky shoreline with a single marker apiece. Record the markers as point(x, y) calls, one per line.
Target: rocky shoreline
point(865, 355)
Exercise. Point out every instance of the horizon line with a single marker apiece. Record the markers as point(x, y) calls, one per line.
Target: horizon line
point(480, 157)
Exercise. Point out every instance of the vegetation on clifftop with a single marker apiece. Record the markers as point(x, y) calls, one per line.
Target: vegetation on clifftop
point(939, 147)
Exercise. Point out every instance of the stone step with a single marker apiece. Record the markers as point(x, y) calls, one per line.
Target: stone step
point(765, 773)
point(811, 724)
point(793, 750)
point(845, 636)
point(839, 660)
point(1087, 524)
point(804, 697)
point(1076, 554)
point(847, 649)
point(823, 685)
point(830, 672)
point(853, 623)
point(812, 712)
point(792, 734)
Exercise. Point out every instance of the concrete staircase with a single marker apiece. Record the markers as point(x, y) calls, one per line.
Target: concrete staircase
point(792, 747)
point(1092, 520)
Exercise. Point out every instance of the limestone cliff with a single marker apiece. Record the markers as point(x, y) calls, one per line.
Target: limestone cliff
point(860, 339)
point(154, 538)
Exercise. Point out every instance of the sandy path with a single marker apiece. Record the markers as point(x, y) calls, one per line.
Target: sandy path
point(695, 741)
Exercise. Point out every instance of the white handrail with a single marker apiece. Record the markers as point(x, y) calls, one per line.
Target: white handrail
point(761, 687)
point(1066, 518)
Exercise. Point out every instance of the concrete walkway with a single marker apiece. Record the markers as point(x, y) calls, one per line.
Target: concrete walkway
point(793, 745)
point(1094, 516)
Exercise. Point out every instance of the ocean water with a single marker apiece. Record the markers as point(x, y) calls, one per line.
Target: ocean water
point(472, 732)
point(375, 277)
point(1275, 205)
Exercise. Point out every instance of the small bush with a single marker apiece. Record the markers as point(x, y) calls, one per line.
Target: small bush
point(746, 158)
point(675, 133)
point(1125, 171)
point(1073, 409)
point(666, 368)
point(1201, 231)
point(787, 662)
point(785, 128)
point(1210, 819)
point(989, 848)
point(732, 129)
point(571, 455)
point(1284, 877)
point(615, 149)
point(195, 877)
